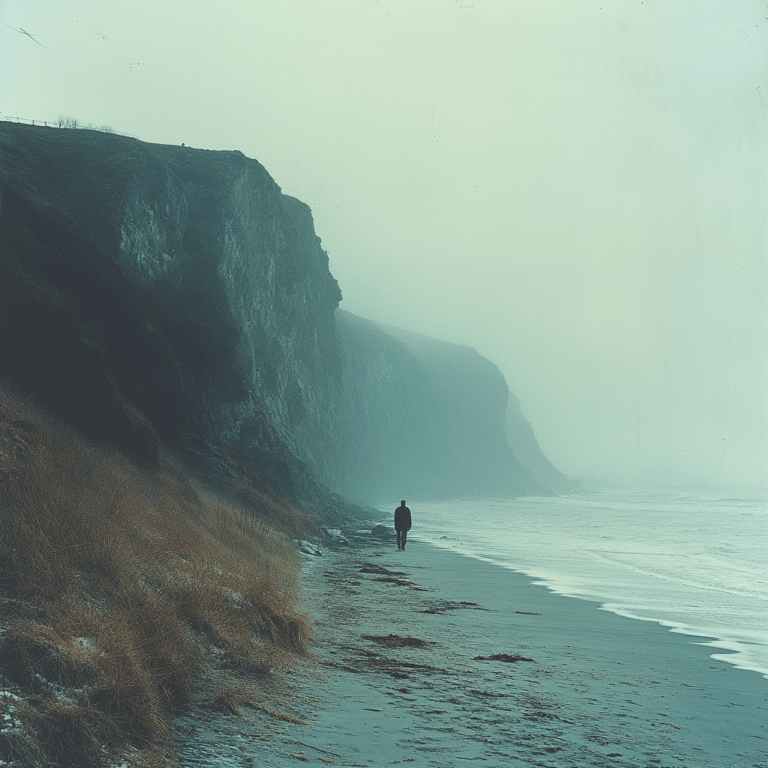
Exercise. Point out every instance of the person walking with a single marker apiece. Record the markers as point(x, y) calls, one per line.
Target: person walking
point(402, 524)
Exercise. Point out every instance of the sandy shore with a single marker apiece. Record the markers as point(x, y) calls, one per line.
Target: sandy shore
point(434, 659)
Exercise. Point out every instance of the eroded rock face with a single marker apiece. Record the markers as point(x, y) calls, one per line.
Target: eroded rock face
point(242, 260)
point(225, 334)
point(228, 266)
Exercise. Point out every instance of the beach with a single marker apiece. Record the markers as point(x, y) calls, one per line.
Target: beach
point(432, 658)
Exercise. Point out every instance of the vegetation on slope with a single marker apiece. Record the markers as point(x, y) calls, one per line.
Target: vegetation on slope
point(126, 594)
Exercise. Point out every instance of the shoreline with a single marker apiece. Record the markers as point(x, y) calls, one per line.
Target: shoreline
point(635, 553)
point(722, 648)
point(431, 657)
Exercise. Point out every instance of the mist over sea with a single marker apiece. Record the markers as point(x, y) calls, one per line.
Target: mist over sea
point(693, 561)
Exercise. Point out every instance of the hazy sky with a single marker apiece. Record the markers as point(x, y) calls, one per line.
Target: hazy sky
point(577, 189)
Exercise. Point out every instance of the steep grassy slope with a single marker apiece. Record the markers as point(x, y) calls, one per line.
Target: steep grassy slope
point(126, 595)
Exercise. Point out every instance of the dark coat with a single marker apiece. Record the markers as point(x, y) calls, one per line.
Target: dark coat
point(402, 519)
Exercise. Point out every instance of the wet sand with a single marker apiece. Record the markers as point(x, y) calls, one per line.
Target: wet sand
point(431, 658)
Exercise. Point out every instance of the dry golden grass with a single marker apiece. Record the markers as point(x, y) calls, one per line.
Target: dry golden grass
point(230, 698)
point(117, 584)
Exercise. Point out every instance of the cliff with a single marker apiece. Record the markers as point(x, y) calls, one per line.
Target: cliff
point(174, 290)
point(162, 298)
point(426, 417)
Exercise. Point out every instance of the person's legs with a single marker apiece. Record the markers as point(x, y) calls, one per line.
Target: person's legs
point(401, 539)
point(405, 534)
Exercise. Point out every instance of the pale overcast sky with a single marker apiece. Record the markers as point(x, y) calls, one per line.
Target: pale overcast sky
point(577, 189)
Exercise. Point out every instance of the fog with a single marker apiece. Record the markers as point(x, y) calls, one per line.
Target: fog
point(576, 189)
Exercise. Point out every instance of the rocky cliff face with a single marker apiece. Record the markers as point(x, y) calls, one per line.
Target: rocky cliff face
point(201, 300)
point(426, 418)
point(244, 260)
point(226, 259)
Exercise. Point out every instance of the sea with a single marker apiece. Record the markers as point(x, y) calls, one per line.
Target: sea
point(693, 561)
